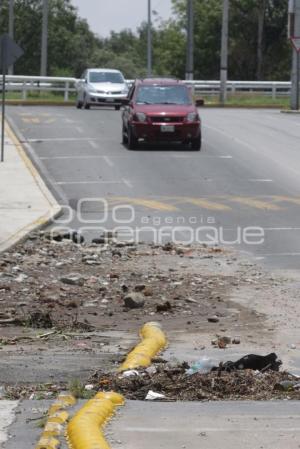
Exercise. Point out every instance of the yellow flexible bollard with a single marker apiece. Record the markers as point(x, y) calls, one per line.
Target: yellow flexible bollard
point(57, 417)
point(85, 430)
point(153, 341)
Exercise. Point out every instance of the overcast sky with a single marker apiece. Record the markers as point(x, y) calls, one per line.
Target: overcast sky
point(106, 15)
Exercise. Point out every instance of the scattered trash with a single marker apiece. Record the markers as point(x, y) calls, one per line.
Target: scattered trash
point(59, 236)
point(221, 342)
point(203, 366)
point(152, 396)
point(252, 362)
point(134, 300)
point(89, 387)
point(213, 319)
point(2, 392)
point(151, 370)
point(236, 341)
point(286, 385)
point(164, 307)
point(129, 373)
point(173, 382)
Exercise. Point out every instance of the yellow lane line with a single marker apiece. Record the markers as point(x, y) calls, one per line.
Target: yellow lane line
point(287, 199)
point(35, 120)
point(206, 204)
point(255, 203)
point(149, 204)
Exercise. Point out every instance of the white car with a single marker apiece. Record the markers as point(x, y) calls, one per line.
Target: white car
point(99, 87)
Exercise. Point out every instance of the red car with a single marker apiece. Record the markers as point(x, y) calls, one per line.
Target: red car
point(160, 110)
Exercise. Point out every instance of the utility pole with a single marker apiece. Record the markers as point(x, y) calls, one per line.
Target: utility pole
point(149, 41)
point(189, 74)
point(294, 31)
point(224, 53)
point(11, 20)
point(44, 46)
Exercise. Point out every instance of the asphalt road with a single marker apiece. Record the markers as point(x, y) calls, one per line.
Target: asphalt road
point(247, 175)
point(191, 425)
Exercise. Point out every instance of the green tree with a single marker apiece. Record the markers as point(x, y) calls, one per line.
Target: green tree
point(258, 46)
point(70, 41)
point(207, 23)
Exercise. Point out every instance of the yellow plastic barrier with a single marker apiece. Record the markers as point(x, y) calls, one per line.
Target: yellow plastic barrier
point(85, 430)
point(56, 418)
point(48, 443)
point(153, 341)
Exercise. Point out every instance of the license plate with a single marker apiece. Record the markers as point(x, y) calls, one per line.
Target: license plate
point(167, 128)
point(110, 100)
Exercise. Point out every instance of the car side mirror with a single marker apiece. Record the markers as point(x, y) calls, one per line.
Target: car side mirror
point(199, 102)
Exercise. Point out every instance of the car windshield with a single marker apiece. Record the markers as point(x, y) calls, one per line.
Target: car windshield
point(106, 77)
point(163, 95)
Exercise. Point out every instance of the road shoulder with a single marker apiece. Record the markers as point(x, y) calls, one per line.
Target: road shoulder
point(25, 201)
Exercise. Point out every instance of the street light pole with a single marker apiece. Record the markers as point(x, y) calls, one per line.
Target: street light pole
point(189, 75)
point(44, 46)
point(149, 41)
point(11, 20)
point(294, 31)
point(224, 52)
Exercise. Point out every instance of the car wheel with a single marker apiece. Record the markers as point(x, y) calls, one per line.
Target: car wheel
point(196, 143)
point(117, 108)
point(124, 135)
point(78, 104)
point(132, 140)
point(85, 104)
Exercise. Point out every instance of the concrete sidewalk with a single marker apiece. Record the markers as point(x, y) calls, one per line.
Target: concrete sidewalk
point(25, 201)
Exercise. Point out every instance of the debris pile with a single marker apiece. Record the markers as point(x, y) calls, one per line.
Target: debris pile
point(173, 383)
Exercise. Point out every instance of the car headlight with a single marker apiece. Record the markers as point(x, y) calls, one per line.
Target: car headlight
point(192, 117)
point(141, 117)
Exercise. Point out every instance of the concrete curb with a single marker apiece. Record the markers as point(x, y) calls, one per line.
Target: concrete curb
point(289, 111)
point(241, 106)
point(39, 103)
point(54, 208)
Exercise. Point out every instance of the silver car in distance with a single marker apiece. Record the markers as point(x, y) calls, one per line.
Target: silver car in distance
point(101, 87)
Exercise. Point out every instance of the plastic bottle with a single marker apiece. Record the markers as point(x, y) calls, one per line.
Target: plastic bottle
point(202, 366)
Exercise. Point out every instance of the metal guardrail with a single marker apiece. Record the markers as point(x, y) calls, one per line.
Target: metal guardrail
point(26, 84)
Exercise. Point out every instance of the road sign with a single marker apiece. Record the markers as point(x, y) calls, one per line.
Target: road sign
point(296, 43)
point(10, 52)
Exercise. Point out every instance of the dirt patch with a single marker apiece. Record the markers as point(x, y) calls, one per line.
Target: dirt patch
point(45, 283)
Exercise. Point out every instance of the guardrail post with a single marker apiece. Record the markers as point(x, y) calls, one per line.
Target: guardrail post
point(24, 91)
point(274, 91)
point(67, 85)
